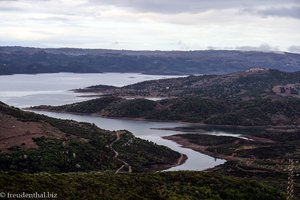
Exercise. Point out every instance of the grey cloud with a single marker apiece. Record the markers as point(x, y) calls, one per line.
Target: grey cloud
point(293, 12)
point(294, 49)
point(6, 6)
point(56, 19)
point(9, 9)
point(21, 0)
point(191, 6)
point(263, 47)
point(181, 45)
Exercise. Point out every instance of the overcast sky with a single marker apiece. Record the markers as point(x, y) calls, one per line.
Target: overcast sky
point(152, 24)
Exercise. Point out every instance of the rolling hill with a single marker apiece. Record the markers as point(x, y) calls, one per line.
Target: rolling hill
point(256, 112)
point(253, 83)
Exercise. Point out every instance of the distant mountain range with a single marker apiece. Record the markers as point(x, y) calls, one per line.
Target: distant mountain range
point(25, 60)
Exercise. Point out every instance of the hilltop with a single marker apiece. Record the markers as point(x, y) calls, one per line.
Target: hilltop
point(24, 60)
point(252, 83)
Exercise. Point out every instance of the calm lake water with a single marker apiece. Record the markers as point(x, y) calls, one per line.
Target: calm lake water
point(53, 89)
point(144, 129)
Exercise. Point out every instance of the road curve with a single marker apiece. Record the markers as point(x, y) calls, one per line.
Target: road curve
point(125, 164)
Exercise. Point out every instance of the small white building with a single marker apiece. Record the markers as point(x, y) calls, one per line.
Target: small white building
point(257, 69)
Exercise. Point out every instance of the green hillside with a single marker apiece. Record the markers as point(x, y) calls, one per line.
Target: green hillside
point(36, 143)
point(242, 85)
point(259, 111)
point(160, 186)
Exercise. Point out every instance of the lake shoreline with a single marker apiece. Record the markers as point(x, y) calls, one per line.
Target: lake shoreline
point(194, 160)
point(192, 128)
point(202, 149)
point(162, 167)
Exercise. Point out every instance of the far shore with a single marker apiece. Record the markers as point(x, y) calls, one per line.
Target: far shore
point(108, 117)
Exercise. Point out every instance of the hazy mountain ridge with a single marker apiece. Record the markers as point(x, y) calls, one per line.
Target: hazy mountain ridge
point(16, 60)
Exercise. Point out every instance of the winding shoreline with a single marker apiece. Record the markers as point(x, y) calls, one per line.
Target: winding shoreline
point(199, 125)
point(155, 167)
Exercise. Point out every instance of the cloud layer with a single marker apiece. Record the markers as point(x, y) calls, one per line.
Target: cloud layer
point(195, 6)
point(151, 24)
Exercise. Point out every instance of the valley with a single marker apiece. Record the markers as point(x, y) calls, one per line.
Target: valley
point(150, 100)
point(242, 128)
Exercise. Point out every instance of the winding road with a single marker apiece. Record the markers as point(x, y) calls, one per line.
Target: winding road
point(179, 161)
point(125, 164)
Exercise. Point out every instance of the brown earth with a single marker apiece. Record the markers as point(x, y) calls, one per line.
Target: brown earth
point(17, 133)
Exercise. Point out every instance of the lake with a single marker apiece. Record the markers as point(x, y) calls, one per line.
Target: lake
point(54, 89)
